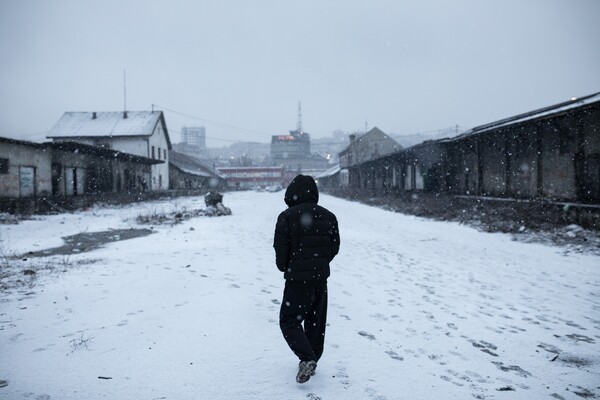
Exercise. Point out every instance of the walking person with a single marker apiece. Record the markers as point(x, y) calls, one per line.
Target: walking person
point(306, 240)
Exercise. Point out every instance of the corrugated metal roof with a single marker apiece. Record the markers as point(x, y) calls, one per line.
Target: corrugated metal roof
point(532, 115)
point(93, 124)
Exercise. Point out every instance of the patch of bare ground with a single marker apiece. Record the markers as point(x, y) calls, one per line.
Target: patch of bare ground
point(528, 221)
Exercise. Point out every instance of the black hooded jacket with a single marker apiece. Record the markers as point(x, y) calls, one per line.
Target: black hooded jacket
point(306, 234)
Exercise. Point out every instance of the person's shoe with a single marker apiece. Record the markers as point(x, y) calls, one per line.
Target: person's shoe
point(306, 369)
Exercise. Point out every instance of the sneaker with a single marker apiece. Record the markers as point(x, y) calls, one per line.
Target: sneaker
point(306, 369)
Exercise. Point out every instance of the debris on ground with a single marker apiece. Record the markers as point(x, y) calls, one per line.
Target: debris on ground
point(213, 198)
point(9, 219)
point(214, 205)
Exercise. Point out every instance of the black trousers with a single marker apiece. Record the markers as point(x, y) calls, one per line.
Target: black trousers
point(303, 317)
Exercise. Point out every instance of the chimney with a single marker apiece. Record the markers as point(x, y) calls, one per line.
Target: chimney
point(352, 138)
point(124, 114)
point(94, 115)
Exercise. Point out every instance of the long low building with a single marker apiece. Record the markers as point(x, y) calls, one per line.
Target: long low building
point(551, 153)
point(253, 177)
point(187, 173)
point(29, 170)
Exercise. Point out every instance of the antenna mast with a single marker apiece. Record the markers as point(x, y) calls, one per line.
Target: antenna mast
point(299, 127)
point(124, 91)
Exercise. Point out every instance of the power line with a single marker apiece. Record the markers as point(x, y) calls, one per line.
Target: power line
point(205, 120)
point(261, 133)
point(212, 138)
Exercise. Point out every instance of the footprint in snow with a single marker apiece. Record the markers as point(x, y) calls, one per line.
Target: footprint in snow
point(580, 338)
point(367, 335)
point(374, 395)
point(379, 317)
point(549, 348)
point(515, 368)
point(394, 355)
point(448, 379)
point(341, 373)
point(484, 346)
point(15, 337)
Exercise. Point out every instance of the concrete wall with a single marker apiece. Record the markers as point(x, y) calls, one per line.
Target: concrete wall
point(492, 150)
point(142, 146)
point(558, 167)
point(523, 165)
point(21, 158)
point(589, 171)
point(556, 158)
point(69, 173)
point(132, 145)
point(462, 167)
point(160, 172)
point(77, 174)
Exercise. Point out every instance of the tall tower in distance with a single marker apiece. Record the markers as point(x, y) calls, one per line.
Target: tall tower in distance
point(194, 136)
point(299, 126)
point(295, 146)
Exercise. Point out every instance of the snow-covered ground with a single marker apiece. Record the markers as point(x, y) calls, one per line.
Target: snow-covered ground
point(418, 309)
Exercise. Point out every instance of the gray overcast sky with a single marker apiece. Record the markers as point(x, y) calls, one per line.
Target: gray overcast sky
point(404, 66)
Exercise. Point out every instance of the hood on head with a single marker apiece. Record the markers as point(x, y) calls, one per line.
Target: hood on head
point(303, 189)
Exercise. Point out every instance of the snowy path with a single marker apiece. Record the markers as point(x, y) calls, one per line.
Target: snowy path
point(418, 310)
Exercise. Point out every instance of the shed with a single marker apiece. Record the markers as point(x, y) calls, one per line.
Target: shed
point(187, 172)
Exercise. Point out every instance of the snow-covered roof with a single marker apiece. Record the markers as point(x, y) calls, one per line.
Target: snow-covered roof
point(105, 153)
point(331, 171)
point(191, 165)
point(94, 124)
point(532, 115)
point(20, 142)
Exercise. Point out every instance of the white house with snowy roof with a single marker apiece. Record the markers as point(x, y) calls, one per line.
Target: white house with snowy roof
point(142, 133)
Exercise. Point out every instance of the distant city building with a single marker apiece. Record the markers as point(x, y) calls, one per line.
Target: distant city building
point(191, 150)
point(369, 146)
point(296, 145)
point(193, 142)
point(194, 135)
point(252, 177)
point(330, 147)
point(292, 153)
